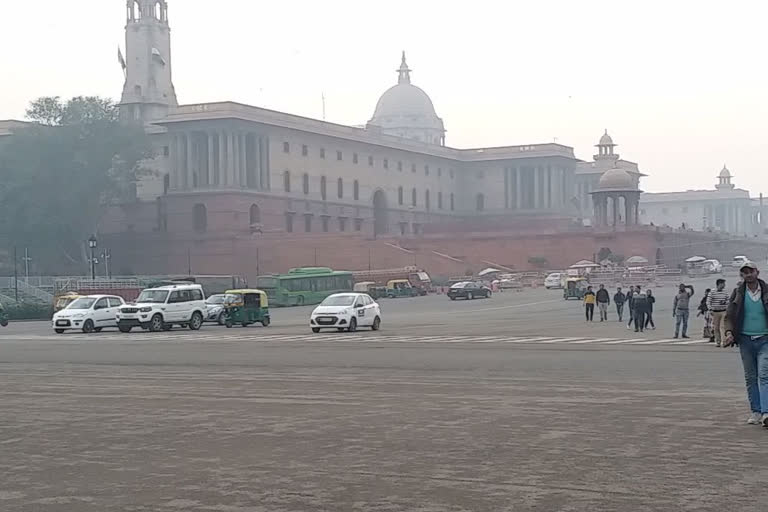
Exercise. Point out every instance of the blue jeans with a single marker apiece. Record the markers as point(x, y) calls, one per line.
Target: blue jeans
point(682, 318)
point(754, 357)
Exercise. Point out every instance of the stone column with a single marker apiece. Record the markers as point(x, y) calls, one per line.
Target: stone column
point(548, 190)
point(536, 187)
point(189, 183)
point(243, 161)
point(230, 159)
point(221, 172)
point(518, 188)
point(211, 163)
point(256, 163)
point(174, 161)
point(236, 159)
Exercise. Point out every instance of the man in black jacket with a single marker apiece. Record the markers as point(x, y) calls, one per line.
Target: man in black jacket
point(619, 299)
point(603, 301)
point(746, 325)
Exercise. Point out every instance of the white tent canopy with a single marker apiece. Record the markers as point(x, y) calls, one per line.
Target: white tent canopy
point(636, 260)
point(585, 264)
point(489, 270)
point(696, 259)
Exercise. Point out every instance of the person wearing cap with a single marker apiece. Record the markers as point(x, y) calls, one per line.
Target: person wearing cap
point(746, 325)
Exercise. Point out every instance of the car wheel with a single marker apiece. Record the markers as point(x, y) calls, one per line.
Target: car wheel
point(376, 324)
point(124, 328)
point(221, 320)
point(352, 325)
point(487, 295)
point(265, 322)
point(197, 321)
point(315, 330)
point(470, 296)
point(59, 331)
point(340, 329)
point(156, 324)
point(88, 327)
point(245, 324)
point(228, 323)
point(300, 300)
point(452, 298)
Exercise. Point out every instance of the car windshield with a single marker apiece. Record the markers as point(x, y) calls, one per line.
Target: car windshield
point(82, 303)
point(157, 296)
point(459, 285)
point(339, 300)
point(216, 299)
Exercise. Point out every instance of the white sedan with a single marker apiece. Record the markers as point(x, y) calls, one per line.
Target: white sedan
point(346, 311)
point(90, 313)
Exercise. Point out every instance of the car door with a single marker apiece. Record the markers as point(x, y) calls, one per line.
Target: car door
point(371, 309)
point(173, 307)
point(360, 311)
point(100, 312)
point(114, 305)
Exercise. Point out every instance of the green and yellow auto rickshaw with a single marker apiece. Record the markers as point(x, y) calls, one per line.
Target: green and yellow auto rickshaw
point(401, 288)
point(246, 307)
point(3, 316)
point(372, 289)
point(575, 288)
point(62, 301)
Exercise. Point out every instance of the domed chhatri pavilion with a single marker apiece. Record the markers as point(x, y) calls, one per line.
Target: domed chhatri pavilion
point(616, 199)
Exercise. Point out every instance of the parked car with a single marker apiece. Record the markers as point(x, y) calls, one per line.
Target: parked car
point(159, 309)
point(469, 290)
point(553, 281)
point(346, 311)
point(90, 313)
point(214, 308)
point(712, 266)
point(739, 261)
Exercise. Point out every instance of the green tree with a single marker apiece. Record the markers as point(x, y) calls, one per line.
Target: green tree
point(58, 176)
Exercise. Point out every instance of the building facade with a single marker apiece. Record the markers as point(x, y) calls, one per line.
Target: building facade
point(726, 209)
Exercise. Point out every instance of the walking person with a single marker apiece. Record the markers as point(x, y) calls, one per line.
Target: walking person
point(641, 309)
point(631, 306)
point(746, 325)
point(619, 299)
point(589, 304)
point(651, 301)
point(704, 311)
point(603, 301)
point(718, 304)
point(681, 309)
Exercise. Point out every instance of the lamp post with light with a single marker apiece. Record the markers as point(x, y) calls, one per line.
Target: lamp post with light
point(92, 244)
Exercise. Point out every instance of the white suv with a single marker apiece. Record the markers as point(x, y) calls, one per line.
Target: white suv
point(159, 309)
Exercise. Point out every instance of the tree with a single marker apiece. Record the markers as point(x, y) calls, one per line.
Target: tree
point(58, 175)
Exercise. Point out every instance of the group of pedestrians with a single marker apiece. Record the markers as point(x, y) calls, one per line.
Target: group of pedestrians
point(638, 302)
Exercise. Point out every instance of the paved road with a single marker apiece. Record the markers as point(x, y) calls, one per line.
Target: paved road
point(445, 415)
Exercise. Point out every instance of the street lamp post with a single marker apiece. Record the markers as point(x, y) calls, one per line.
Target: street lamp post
point(106, 255)
point(92, 244)
point(27, 260)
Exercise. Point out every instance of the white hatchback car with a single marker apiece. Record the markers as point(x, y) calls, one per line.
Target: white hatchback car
point(159, 309)
point(346, 311)
point(90, 313)
point(553, 281)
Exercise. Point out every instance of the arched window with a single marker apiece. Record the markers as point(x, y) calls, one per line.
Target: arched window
point(340, 188)
point(413, 198)
point(305, 183)
point(158, 10)
point(136, 11)
point(137, 90)
point(480, 206)
point(323, 188)
point(287, 181)
point(400, 196)
point(356, 190)
point(426, 200)
point(452, 201)
point(439, 200)
point(255, 215)
point(200, 218)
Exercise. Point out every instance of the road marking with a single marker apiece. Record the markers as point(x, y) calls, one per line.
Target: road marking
point(652, 342)
point(618, 342)
point(595, 340)
point(691, 342)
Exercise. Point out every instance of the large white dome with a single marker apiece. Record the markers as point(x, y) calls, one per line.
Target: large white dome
point(405, 110)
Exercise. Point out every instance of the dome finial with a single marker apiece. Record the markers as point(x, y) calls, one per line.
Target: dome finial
point(404, 72)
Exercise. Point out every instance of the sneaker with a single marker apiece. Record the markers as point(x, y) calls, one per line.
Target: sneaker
point(764, 420)
point(686, 337)
point(718, 345)
point(754, 418)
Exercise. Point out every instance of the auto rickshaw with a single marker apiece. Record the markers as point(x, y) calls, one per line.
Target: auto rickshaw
point(401, 288)
point(3, 316)
point(575, 288)
point(372, 289)
point(64, 300)
point(246, 307)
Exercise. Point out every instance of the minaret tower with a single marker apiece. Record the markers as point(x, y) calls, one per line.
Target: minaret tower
point(148, 92)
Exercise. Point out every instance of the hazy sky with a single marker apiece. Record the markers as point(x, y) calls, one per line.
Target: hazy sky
point(681, 85)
